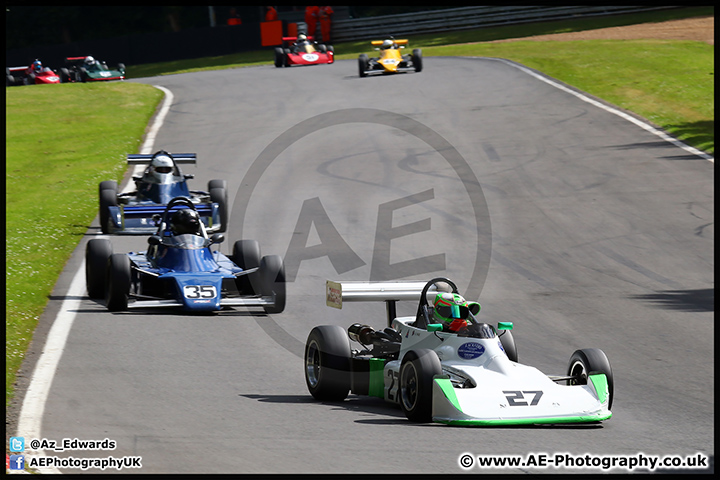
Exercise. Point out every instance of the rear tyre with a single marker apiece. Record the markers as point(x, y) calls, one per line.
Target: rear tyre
point(416, 379)
point(591, 360)
point(118, 282)
point(97, 253)
point(327, 363)
point(246, 255)
point(64, 75)
point(272, 276)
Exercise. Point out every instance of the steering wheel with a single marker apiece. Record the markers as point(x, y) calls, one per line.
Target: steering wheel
point(423, 313)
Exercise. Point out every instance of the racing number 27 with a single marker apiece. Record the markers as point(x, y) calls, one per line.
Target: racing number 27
point(517, 399)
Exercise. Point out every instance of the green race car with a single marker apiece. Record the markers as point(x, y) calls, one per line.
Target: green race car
point(87, 69)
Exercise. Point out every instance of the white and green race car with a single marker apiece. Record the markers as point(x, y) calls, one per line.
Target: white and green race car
point(469, 377)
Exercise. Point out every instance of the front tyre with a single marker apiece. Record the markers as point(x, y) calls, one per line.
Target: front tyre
point(417, 60)
point(508, 343)
point(272, 279)
point(107, 192)
point(219, 195)
point(590, 360)
point(327, 363)
point(416, 381)
point(246, 255)
point(362, 64)
point(279, 57)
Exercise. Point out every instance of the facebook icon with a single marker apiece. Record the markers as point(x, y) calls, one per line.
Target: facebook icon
point(17, 462)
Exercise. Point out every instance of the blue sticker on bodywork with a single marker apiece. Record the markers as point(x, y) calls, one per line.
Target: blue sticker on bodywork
point(470, 350)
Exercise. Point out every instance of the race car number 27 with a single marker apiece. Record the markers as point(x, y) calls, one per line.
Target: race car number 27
point(199, 291)
point(520, 399)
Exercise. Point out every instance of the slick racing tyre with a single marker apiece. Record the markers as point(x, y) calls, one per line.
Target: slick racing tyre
point(417, 60)
point(118, 282)
point(279, 57)
point(362, 64)
point(97, 253)
point(508, 343)
point(246, 255)
point(108, 198)
point(416, 382)
point(590, 360)
point(272, 278)
point(218, 194)
point(327, 363)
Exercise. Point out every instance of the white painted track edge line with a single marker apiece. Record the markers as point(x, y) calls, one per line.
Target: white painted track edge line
point(630, 118)
point(33, 407)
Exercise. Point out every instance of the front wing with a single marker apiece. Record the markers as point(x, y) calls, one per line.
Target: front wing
point(507, 403)
point(314, 58)
point(201, 291)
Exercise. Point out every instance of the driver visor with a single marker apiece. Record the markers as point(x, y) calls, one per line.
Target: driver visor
point(452, 311)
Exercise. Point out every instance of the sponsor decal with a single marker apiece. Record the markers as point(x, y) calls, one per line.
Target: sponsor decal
point(470, 350)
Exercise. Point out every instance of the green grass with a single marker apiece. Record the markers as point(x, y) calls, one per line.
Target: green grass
point(62, 140)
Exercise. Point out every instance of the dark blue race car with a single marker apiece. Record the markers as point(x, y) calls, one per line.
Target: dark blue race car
point(138, 211)
point(179, 269)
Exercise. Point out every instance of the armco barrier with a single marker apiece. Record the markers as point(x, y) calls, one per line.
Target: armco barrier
point(466, 18)
point(223, 40)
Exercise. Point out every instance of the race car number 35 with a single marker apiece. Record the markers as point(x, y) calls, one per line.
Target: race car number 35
point(199, 291)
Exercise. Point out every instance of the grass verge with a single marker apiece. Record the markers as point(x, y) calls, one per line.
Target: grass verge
point(55, 158)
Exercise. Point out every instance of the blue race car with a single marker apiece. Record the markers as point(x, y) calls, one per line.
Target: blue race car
point(137, 212)
point(179, 269)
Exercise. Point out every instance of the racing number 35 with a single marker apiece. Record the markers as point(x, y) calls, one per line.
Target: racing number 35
point(199, 291)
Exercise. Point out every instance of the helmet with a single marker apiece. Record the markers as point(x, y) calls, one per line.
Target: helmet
point(89, 60)
point(37, 66)
point(185, 220)
point(302, 38)
point(161, 168)
point(451, 306)
point(386, 44)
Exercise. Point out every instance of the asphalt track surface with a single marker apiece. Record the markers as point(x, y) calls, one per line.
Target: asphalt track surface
point(579, 226)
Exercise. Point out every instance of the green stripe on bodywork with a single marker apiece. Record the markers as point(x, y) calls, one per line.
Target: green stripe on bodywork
point(599, 381)
point(528, 421)
point(376, 387)
point(449, 391)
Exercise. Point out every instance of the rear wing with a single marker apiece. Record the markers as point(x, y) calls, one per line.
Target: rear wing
point(75, 60)
point(147, 211)
point(377, 43)
point(17, 69)
point(389, 292)
point(142, 158)
point(294, 39)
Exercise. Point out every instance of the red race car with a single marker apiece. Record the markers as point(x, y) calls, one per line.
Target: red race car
point(35, 74)
point(302, 50)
